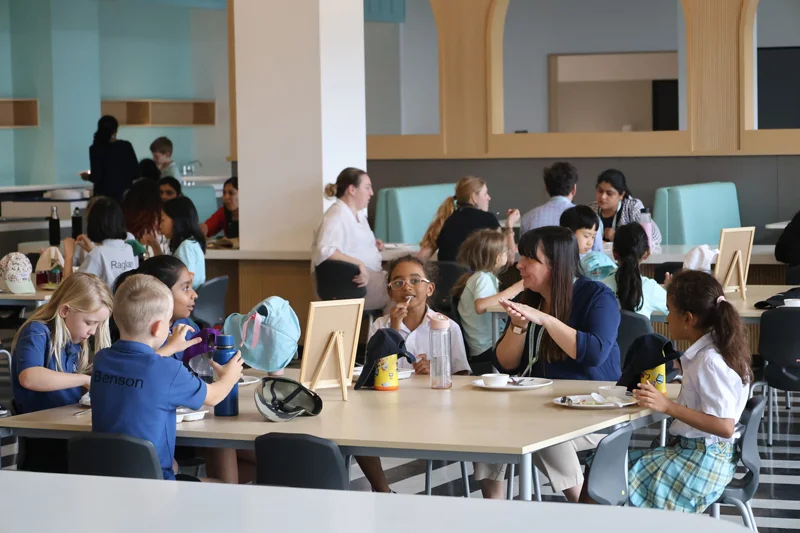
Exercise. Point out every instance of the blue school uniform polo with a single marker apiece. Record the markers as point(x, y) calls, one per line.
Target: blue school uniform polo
point(33, 349)
point(190, 323)
point(135, 392)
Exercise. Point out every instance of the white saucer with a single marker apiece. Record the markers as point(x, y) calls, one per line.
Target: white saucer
point(527, 384)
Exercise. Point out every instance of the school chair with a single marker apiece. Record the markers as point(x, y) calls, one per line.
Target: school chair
point(449, 273)
point(209, 309)
point(741, 490)
point(778, 345)
point(335, 281)
point(631, 327)
point(300, 461)
point(204, 198)
point(112, 455)
point(607, 479)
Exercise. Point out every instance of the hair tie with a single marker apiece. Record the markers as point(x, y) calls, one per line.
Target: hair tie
point(721, 299)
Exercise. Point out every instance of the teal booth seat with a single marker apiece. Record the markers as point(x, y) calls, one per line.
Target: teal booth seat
point(695, 214)
point(403, 214)
point(204, 198)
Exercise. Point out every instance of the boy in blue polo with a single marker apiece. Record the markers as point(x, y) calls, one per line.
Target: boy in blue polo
point(135, 391)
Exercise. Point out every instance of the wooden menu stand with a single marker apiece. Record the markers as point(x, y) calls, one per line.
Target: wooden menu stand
point(336, 342)
point(735, 249)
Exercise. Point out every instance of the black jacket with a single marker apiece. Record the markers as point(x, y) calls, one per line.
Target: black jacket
point(114, 167)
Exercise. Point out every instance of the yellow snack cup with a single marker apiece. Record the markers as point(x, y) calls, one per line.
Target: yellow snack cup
point(386, 373)
point(657, 376)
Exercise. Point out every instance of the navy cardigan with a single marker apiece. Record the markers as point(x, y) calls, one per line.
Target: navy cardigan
point(595, 316)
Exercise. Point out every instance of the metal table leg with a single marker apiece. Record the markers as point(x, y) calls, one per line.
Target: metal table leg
point(510, 487)
point(526, 477)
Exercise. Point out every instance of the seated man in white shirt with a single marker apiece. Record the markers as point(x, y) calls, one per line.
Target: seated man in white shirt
point(561, 183)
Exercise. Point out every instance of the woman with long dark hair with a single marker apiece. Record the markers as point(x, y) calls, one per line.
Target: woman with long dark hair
point(562, 326)
point(616, 206)
point(113, 161)
point(226, 218)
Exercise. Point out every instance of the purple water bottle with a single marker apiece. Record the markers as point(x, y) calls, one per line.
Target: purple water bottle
point(224, 352)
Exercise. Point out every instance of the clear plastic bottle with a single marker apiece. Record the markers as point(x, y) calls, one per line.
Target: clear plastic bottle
point(646, 222)
point(439, 353)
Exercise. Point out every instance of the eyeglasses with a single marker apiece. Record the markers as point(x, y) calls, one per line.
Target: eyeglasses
point(400, 283)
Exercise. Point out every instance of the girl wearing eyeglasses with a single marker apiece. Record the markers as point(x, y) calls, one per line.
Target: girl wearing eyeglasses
point(409, 287)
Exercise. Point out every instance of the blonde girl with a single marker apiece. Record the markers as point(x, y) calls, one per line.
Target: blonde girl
point(485, 252)
point(50, 358)
point(459, 216)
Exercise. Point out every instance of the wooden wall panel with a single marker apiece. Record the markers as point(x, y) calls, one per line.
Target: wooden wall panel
point(713, 82)
point(463, 70)
point(290, 280)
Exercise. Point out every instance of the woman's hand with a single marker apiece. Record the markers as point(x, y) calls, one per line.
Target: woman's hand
point(150, 239)
point(521, 312)
point(380, 245)
point(651, 398)
point(423, 365)
point(396, 316)
point(362, 278)
point(512, 217)
point(608, 234)
point(84, 242)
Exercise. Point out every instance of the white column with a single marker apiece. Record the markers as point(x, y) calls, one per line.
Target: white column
point(300, 113)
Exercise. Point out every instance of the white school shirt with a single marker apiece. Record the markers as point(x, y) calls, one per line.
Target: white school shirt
point(418, 342)
point(109, 259)
point(711, 387)
point(342, 230)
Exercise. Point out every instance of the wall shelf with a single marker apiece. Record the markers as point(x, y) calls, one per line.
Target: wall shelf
point(161, 112)
point(19, 113)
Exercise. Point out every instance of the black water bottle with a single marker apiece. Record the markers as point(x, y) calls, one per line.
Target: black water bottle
point(77, 223)
point(55, 227)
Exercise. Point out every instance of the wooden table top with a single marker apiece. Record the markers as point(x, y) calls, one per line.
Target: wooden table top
point(755, 293)
point(38, 296)
point(462, 419)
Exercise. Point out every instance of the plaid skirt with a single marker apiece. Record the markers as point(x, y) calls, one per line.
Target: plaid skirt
point(687, 476)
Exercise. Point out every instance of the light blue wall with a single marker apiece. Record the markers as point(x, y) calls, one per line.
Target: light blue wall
point(149, 56)
point(76, 102)
point(32, 73)
point(6, 91)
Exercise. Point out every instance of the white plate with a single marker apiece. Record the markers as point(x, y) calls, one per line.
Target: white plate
point(528, 384)
point(248, 380)
point(587, 397)
point(184, 414)
point(403, 373)
point(85, 400)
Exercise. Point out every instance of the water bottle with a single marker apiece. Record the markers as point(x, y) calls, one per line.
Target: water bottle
point(55, 227)
point(77, 223)
point(646, 222)
point(439, 353)
point(224, 352)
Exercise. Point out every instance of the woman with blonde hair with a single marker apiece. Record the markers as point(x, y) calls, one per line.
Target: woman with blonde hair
point(459, 216)
point(344, 235)
point(50, 358)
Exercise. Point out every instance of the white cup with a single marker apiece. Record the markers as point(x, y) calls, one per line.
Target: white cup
point(495, 380)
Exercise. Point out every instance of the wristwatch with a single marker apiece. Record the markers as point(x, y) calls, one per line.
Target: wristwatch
point(516, 330)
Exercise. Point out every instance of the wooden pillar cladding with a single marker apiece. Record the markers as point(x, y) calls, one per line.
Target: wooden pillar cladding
point(713, 73)
point(464, 44)
point(232, 81)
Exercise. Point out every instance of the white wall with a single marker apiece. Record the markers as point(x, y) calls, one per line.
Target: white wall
point(535, 29)
point(209, 37)
point(778, 23)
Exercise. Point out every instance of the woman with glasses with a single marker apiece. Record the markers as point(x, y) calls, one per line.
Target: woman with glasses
point(344, 235)
point(410, 285)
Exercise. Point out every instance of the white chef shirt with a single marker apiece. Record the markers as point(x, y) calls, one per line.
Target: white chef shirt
point(342, 230)
point(418, 342)
point(711, 387)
